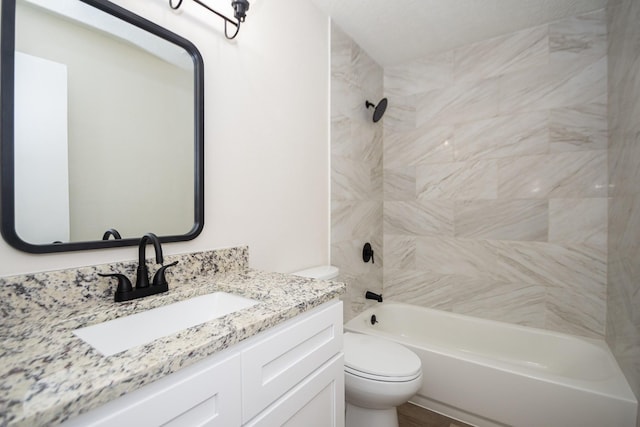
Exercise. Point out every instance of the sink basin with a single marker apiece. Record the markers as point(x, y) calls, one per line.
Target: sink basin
point(121, 334)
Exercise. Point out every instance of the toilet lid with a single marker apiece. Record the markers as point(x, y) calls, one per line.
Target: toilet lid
point(378, 358)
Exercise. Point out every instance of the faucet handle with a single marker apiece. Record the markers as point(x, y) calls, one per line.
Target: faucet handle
point(124, 284)
point(159, 278)
point(367, 253)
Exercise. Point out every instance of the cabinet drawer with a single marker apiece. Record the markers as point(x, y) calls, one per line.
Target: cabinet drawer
point(204, 394)
point(318, 401)
point(273, 366)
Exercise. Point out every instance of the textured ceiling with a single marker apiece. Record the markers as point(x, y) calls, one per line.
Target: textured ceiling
point(393, 31)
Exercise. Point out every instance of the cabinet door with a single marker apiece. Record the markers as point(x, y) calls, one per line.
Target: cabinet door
point(283, 358)
point(318, 401)
point(205, 394)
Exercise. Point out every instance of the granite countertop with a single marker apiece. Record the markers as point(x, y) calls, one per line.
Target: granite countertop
point(48, 375)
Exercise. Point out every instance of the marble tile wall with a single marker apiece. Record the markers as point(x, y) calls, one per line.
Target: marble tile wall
point(495, 178)
point(356, 170)
point(623, 289)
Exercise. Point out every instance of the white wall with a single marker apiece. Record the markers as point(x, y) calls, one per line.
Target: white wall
point(41, 152)
point(266, 137)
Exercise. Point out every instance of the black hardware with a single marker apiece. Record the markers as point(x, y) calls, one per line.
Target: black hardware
point(124, 284)
point(142, 278)
point(379, 110)
point(125, 291)
point(111, 232)
point(240, 8)
point(367, 253)
point(159, 278)
point(140, 293)
point(373, 319)
point(371, 295)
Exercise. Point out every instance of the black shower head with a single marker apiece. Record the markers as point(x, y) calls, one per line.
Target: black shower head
point(379, 109)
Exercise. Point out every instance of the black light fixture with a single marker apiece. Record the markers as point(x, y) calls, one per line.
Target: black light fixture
point(240, 8)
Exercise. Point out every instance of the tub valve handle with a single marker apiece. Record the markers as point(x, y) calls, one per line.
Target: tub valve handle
point(367, 253)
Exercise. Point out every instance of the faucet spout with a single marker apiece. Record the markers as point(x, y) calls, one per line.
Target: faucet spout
point(142, 279)
point(371, 295)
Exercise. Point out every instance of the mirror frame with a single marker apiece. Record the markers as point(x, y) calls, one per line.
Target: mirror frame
point(7, 189)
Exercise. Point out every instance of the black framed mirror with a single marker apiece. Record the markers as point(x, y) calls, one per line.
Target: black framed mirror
point(102, 136)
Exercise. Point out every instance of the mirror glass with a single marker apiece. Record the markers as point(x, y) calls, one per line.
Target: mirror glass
point(102, 127)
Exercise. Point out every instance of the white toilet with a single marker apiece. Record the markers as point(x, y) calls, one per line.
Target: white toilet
point(379, 374)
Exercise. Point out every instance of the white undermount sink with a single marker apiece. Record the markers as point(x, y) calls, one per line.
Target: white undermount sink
point(121, 334)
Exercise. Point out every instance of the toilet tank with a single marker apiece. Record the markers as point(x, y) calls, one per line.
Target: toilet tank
point(322, 272)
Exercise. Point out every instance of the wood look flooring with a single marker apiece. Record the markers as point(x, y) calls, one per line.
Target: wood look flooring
point(410, 415)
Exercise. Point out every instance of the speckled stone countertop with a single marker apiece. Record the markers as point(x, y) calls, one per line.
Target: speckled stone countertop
point(48, 375)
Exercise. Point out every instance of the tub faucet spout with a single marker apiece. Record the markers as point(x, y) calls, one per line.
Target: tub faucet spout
point(371, 295)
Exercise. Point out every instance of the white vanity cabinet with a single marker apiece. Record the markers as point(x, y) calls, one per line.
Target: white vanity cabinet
point(300, 368)
point(291, 374)
point(317, 401)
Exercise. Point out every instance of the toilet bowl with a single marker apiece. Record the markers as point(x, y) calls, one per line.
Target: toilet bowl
point(379, 374)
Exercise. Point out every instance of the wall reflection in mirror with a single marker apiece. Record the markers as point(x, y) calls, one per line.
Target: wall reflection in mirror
point(105, 128)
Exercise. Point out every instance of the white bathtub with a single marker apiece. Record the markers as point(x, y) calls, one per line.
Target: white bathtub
point(491, 373)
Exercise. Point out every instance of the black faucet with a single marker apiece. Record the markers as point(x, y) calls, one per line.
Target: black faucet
point(125, 291)
point(371, 295)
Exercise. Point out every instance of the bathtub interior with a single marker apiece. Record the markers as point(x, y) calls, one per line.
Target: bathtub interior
point(490, 373)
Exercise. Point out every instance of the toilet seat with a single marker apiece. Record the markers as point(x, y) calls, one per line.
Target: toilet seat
point(379, 359)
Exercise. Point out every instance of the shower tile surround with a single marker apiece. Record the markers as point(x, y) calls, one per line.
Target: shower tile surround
point(47, 374)
point(623, 289)
point(495, 178)
point(356, 170)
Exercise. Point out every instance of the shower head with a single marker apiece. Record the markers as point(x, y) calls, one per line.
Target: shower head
point(379, 109)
